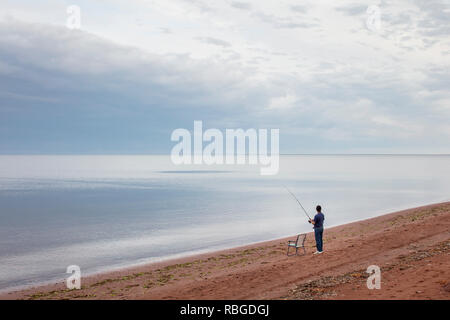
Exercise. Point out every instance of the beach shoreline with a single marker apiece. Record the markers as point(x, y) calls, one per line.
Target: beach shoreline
point(410, 246)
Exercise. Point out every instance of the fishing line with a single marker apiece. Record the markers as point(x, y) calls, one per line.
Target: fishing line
point(298, 202)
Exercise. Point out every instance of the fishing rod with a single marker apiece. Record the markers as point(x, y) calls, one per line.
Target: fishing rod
point(298, 202)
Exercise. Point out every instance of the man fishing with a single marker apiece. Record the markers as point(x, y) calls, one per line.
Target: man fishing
point(318, 229)
point(317, 222)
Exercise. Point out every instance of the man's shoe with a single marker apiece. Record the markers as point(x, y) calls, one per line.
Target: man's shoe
point(318, 252)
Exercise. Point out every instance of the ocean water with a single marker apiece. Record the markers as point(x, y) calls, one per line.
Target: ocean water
point(108, 212)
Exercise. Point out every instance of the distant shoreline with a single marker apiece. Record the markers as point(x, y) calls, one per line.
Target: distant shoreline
point(407, 239)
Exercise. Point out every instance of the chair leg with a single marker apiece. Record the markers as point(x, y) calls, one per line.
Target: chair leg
point(288, 250)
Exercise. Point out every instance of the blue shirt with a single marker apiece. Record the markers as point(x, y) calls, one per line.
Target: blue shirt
point(318, 220)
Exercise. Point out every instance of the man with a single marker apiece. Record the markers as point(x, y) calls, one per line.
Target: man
point(318, 229)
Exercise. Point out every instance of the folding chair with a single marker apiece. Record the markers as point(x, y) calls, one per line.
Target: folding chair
point(299, 243)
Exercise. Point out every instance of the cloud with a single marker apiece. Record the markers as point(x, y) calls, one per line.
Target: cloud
point(435, 20)
point(214, 41)
point(353, 9)
point(299, 8)
point(165, 30)
point(48, 55)
point(283, 22)
point(66, 84)
point(241, 5)
point(322, 78)
point(283, 102)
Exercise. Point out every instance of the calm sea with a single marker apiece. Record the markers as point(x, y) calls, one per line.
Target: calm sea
point(107, 212)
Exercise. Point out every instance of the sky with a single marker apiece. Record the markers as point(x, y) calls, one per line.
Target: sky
point(330, 75)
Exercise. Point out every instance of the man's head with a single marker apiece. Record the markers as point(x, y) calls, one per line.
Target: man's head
point(319, 209)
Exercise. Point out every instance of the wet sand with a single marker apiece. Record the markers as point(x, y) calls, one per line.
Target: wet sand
point(412, 248)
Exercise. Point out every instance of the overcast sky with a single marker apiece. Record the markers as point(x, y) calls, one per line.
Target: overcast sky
point(329, 79)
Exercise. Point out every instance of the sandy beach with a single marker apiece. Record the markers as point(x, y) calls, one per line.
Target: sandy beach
point(411, 247)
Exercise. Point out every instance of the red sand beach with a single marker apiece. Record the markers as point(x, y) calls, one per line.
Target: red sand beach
point(411, 247)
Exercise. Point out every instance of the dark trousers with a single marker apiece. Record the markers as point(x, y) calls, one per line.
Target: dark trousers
point(318, 233)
